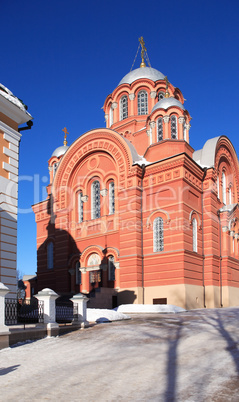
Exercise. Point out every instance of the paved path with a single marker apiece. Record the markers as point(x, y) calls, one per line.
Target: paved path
point(189, 356)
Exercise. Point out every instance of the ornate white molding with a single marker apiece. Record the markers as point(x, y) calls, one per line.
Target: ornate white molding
point(153, 94)
point(106, 117)
point(114, 105)
point(131, 96)
point(103, 192)
point(84, 198)
point(166, 119)
point(188, 126)
point(181, 120)
point(152, 124)
point(225, 229)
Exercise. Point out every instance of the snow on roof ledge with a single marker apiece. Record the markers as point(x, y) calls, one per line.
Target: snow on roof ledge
point(12, 107)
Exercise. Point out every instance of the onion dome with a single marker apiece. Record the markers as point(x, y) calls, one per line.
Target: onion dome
point(165, 103)
point(145, 72)
point(60, 151)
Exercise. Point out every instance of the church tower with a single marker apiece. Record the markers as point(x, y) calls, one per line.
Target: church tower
point(134, 214)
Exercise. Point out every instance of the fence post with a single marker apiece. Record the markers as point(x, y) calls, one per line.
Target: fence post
point(48, 296)
point(80, 301)
point(4, 330)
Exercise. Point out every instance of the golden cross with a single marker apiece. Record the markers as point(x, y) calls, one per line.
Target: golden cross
point(143, 50)
point(66, 132)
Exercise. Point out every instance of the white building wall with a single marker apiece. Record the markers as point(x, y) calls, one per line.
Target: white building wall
point(8, 209)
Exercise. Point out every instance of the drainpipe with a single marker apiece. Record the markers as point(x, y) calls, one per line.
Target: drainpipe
point(28, 127)
point(203, 256)
point(142, 232)
point(220, 248)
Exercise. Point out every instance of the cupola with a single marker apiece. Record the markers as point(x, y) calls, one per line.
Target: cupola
point(56, 156)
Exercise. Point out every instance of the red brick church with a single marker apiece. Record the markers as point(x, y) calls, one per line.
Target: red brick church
point(134, 214)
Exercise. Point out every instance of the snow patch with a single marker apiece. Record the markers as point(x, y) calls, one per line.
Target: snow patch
point(149, 308)
point(104, 315)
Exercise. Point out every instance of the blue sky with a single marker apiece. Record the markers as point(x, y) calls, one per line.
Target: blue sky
point(62, 58)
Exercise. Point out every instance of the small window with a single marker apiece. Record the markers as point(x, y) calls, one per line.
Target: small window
point(160, 95)
point(142, 103)
point(78, 273)
point(80, 207)
point(158, 234)
point(195, 235)
point(224, 188)
point(111, 268)
point(123, 107)
point(111, 198)
point(184, 131)
point(95, 200)
point(174, 128)
point(50, 255)
point(111, 116)
point(160, 129)
point(218, 188)
point(55, 165)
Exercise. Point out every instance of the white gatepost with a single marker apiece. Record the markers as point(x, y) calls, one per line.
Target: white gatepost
point(4, 330)
point(80, 301)
point(48, 296)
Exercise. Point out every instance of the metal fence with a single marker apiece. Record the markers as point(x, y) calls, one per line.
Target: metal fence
point(66, 311)
point(24, 312)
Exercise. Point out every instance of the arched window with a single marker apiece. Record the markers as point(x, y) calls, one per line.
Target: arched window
point(111, 116)
point(174, 128)
point(80, 207)
point(224, 188)
point(50, 255)
point(111, 268)
point(160, 95)
point(123, 107)
point(55, 165)
point(111, 198)
point(78, 273)
point(184, 131)
point(142, 102)
point(160, 129)
point(95, 200)
point(218, 188)
point(158, 234)
point(195, 235)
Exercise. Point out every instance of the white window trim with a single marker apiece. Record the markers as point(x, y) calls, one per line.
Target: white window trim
point(158, 234)
point(195, 235)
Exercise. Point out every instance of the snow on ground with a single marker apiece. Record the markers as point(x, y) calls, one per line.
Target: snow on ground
point(104, 315)
point(191, 356)
point(149, 308)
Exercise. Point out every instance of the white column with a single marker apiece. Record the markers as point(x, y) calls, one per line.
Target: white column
point(3, 291)
point(81, 301)
point(4, 330)
point(48, 296)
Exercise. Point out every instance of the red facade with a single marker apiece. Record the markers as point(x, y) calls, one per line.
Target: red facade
point(134, 214)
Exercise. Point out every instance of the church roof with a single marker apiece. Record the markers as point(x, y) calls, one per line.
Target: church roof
point(60, 151)
point(165, 103)
point(205, 157)
point(145, 72)
point(7, 94)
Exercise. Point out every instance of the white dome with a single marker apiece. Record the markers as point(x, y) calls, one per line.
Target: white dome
point(143, 72)
point(165, 103)
point(60, 151)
